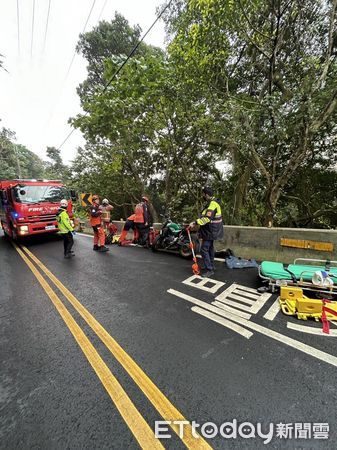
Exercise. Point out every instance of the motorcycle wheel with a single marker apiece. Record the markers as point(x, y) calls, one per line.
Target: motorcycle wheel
point(156, 244)
point(185, 251)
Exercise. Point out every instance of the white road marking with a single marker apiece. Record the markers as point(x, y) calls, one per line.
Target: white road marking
point(232, 310)
point(240, 293)
point(201, 282)
point(215, 259)
point(189, 298)
point(273, 310)
point(242, 299)
point(297, 345)
point(227, 301)
point(246, 289)
point(310, 330)
point(226, 323)
point(83, 234)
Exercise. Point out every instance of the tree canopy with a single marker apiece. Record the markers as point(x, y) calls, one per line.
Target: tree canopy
point(16, 161)
point(244, 98)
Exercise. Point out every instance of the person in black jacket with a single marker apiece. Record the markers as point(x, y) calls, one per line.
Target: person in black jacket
point(211, 229)
point(143, 221)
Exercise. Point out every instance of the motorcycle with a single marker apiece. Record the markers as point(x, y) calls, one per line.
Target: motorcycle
point(173, 237)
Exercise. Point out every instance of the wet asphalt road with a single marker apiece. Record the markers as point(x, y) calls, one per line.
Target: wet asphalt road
point(50, 397)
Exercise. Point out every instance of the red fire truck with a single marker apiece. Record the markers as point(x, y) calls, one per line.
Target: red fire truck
point(29, 207)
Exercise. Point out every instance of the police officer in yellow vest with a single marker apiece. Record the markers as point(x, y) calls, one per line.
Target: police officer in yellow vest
point(65, 228)
point(211, 229)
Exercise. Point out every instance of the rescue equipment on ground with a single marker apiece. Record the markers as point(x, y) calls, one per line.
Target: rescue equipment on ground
point(315, 275)
point(111, 234)
point(195, 267)
point(233, 262)
point(321, 278)
point(224, 253)
point(293, 302)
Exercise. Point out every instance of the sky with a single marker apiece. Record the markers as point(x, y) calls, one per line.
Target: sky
point(37, 97)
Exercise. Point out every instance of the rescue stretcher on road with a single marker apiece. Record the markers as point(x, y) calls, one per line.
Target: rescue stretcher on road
point(293, 302)
point(315, 275)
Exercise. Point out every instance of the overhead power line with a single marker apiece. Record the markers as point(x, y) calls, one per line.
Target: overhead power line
point(69, 68)
point(31, 42)
point(47, 22)
point(123, 64)
point(86, 23)
point(18, 22)
point(100, 14)
point(134, 49)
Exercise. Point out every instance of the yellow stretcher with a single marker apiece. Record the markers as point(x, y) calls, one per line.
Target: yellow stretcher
point(294, 303)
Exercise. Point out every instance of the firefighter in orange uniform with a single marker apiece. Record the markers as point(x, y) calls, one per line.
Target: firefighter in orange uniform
point(129, 225)
point(106, 214)
point(96, 223)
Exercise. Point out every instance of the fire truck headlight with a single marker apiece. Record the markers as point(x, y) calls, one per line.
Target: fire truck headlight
point(23, 229)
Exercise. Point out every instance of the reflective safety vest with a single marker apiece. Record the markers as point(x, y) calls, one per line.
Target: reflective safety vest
point(210, 221)
point(63, 221)
point(105, 216)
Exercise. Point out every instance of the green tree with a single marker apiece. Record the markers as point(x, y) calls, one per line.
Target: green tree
point(109, 39)
point(55, 168)
point(16, 161)
point(267, 71)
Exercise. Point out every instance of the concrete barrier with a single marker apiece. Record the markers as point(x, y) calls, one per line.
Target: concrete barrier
point(263, 243)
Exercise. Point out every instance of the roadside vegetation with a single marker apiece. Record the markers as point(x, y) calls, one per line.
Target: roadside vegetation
point(243, 98)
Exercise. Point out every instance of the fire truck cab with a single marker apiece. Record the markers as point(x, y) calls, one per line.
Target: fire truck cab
point(29, 207)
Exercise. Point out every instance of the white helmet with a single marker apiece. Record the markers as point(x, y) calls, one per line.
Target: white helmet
point(105, 201)
point(64, 203)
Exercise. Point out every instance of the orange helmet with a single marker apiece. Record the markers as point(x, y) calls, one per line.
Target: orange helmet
point(145, 198)
point(95, 197)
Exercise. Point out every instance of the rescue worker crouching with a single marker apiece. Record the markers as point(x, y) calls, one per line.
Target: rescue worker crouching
point(96, 223)
point(211, 229)
point(129, 225)
point(65, 228)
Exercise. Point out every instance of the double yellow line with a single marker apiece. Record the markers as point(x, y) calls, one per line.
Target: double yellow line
point(135, 421)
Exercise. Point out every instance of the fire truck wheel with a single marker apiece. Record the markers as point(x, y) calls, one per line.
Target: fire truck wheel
point(14, 234)
point(5, 232)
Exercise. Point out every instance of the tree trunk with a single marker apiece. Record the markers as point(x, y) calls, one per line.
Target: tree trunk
point(272, 198)
point(240, 194)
